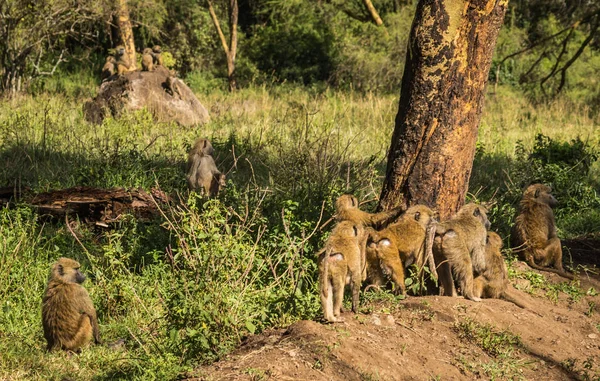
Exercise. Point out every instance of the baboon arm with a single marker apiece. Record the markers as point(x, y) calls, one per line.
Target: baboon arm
point(384, 218)
point(193, 173)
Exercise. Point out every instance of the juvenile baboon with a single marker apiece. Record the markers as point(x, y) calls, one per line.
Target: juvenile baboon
point(122, 60)
point(459, 249)
point(533, 235)
point(156, 54)
point(492, 282)
point(147, 60)
point(109, 69)
point(402, 243)
point(68, 315)
point(172, 86)
point(340, 264)
point(202, 170)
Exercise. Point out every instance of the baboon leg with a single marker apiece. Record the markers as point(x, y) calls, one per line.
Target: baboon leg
point(83, 336)
point(478, 286)
point(327, 302)
point(553, 257)
point(338, 284)
point(355, 279)
point(445, 276)
point(463, 270)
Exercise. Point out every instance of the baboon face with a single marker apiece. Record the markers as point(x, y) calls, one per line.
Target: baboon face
point(120, 50)
point(478, 212)
point(156, 49)
point(422, 214)
point(494, 240)
point(67, 270)
point(346, 201)
point(541, 193)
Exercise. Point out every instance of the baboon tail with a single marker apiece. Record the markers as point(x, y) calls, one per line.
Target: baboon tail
point(552, 270)
point(429, 237)
point(324, 264)
point(511, 297)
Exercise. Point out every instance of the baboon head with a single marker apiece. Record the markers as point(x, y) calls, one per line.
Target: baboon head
point(147, 51)
point(422, 214)
point(479, 212)
point(156, 49)
point(67, 271)
point(345, 202)
point(120, 50)
point(205, 147)
point(348, 229)
point(111, 59)
point(540, 193)
point(222, 180)
point(494, 240)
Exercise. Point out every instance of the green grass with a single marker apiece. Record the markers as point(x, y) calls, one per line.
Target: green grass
point(184, 289)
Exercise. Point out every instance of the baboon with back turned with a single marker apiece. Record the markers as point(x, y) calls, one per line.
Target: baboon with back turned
point(202, 171)
point(340, 264)
point(68, 314)
point(533, 235)
point(147, 60)
point(459, 249)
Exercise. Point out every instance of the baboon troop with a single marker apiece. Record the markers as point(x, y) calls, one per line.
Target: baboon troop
point(119, 63)
point(533, 235)
point(202, 173)
point(68, 315)
point(461, 253)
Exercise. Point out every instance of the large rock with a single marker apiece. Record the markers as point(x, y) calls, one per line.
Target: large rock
point(150, 89)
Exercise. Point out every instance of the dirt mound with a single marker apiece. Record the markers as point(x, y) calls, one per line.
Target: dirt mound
point(431, 337)
point(166, 97)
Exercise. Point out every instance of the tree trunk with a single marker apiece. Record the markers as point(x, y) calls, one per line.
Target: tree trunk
point(126, 33)
point(231, 48)
point(443, 87)
point(373, 12)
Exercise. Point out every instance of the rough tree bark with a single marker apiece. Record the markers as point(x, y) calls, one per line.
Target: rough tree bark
point(126, 33)
point(446, 71)
point(373, 12)
point(231, 48)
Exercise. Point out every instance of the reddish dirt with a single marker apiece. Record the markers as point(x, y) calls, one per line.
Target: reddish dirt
point(420, 338)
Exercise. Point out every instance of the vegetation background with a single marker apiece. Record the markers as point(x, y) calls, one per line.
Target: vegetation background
point(318, 92)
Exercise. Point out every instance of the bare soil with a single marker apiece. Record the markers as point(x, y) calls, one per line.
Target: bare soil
point(438, 338)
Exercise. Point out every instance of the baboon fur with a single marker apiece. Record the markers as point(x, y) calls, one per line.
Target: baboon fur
point(110, 68)
point(392, 250)
point(156, 54)
point(122, 60)
point(202, 171)
point(493, 281)
point(68, 315)
point(459, 249)
point(340, 264)
point(533, 235)
point(147, 60)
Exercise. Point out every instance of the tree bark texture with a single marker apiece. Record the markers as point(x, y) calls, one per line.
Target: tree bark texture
point(231, 48)
point(126, 33)
point(443, 87)
point(373, 12)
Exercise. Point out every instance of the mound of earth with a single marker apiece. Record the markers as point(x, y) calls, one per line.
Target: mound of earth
point(431, 338)
point(150, 89)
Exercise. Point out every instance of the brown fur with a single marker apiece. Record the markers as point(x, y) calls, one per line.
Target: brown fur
point(533, 235)
point(109, 69)
point(340, 264)
point(202, 170)
point(156, 54)
point(459, 249)
point(122, 60)
point(398, 246)
point(68, 315)
point(147, 60)
point(493, 281)
point(172, 86)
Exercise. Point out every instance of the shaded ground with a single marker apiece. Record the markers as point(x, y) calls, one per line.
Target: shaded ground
point(433, 337)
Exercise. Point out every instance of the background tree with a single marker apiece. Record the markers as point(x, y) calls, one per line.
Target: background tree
point(231, 48)
point(125, 32)
point(446, 70)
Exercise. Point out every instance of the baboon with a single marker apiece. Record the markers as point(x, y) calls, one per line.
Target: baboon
point(109, 69)
point(122, 60)
point(202, 171)
point(459, 249)
point(402, 243)
point(172, 86)
point(68, 315)
point(156, 54)
point(533, 235)
point(340, 264)
point(493, 281)
point(147, 60)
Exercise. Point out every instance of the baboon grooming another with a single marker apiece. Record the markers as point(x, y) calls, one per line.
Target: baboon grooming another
point(459, 249)
point(122, 60)
point(340, 264)
point(493, 281)
point(402, 243)
point(533, 235)
point(109, 68)
point(202, 170)
point(147, 60)
point(68, 315)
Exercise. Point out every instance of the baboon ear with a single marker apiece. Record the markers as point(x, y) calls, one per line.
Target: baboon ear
point(417, 216)
point(205, 142)
point(61, 270)
point(354, 201)
point(477, 212)
point(355, 230)
point(537, 193)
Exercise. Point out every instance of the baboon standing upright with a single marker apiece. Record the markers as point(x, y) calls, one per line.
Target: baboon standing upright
point(533, 235)
point(68, 315)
